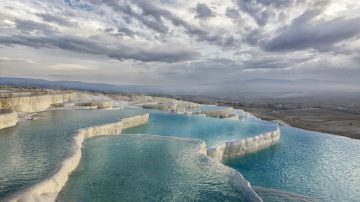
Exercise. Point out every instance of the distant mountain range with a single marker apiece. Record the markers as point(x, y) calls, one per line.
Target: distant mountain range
point(259, 87)
point(76, 85)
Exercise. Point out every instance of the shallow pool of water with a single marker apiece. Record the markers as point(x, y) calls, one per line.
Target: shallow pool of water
point(321, 166)
point(213, 131)
point(32, 150)
point(152, 168)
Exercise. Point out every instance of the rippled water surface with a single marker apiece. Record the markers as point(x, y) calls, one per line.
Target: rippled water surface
point(148, 168)
point(325, 167)
point(31, 150)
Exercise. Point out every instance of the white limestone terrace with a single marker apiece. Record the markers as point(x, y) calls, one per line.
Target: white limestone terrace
point(8, 118)
point(163, 104)
point(243, 115)
point(244, 146)
point(100, 104)
point(99, 101)
point(183, 107)
point(219, 112)
point(224, 150)
point(25, 104)
point(48, 189)
point(30, 102)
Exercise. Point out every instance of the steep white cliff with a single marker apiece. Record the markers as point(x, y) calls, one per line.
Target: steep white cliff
point(8, 119)
point(242, 147)
point(134, 121)
point(33, 103)
point(48, 189)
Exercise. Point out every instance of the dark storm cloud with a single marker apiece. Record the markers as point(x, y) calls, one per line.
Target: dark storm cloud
point(55, 19)
point(232, 13)
point(126, 31)
point(120, 52)
point(253, 37)
point(264, 10)
point(275, 62)
point(121, 31)
point(203, 11)
point(28, 27)
point(303, 33)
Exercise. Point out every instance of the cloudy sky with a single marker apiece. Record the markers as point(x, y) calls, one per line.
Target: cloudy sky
point(180, 42)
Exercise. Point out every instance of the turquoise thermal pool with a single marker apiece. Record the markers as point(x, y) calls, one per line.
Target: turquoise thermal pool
point(213, 131)
point(32, 150)
point(326, 167)
point(160, 160)
point(152, 168)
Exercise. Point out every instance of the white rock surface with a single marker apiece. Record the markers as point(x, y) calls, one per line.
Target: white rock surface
point(98, 104)
point(34, 103)
point(164, 104)
point(219, 113)
point(245, 146)
point(8, 119)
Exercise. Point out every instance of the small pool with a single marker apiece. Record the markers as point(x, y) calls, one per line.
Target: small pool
point(213, 131)
point(326, 167)
point(32, 150)
point(152, 168)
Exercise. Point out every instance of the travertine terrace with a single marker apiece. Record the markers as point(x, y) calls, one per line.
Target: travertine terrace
point(245, 146)
point(31, 102)
point(8, 118)
point(48, 189)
